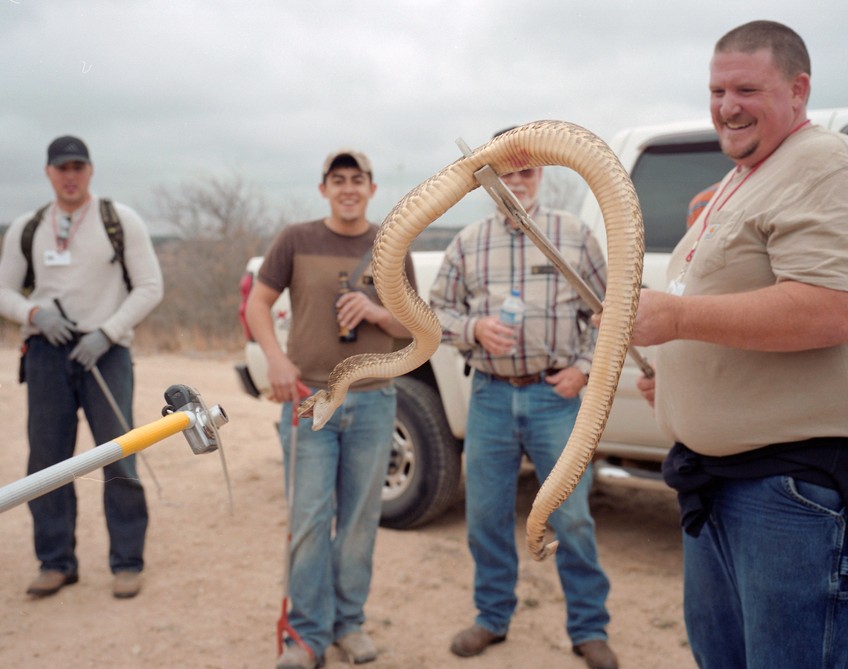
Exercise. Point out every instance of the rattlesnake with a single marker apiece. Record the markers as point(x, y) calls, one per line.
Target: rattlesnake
point(532, 145)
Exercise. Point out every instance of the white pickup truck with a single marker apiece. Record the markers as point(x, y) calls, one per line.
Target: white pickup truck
point(668, 165)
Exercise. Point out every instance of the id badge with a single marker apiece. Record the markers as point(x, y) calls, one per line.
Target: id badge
point(676, 288)
point(57, 258)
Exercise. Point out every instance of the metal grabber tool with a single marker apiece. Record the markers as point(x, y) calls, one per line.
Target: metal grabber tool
point(284, 628)
point(185, 412)
point(205, 439)
point(510, 206)
point(110, 398)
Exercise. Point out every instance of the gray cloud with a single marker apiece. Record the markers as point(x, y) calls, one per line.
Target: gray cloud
point(167, 90)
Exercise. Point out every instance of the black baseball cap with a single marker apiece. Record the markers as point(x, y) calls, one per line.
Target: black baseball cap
point(67, 149)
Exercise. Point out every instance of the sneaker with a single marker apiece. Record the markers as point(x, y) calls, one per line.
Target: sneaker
point(127, 584)
point(358, 647)
point(49, 582)
point(296, 657)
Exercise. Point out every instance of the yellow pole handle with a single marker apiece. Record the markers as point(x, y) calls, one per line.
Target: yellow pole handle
point(141, 437)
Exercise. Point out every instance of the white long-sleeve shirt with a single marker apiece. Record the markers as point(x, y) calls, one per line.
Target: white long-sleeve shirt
point(90, 284)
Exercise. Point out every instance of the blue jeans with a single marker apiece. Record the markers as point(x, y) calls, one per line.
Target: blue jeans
point(503, 423)
point(57, 388)
point(340, 471)
point(766, 582)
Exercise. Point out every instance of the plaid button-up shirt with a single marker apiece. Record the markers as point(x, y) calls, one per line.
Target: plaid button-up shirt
point(487, 259)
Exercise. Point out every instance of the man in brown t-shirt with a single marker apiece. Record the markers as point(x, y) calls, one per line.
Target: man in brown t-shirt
point(340, 469)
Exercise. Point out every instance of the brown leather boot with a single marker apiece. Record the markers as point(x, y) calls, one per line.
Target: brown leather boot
point(49, 582)
point(127, 584)
point(597, 653)
point(474, 640)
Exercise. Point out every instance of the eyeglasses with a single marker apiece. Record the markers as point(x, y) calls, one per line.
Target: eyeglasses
point(524, 174)
point(64, 228)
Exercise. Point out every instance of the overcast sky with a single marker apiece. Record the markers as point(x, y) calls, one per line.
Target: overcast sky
point(170, 91)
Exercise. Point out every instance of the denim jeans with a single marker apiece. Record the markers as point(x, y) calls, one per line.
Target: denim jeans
point(57, 388)
point(503, 423)
point(766, 582)
point(340, 471)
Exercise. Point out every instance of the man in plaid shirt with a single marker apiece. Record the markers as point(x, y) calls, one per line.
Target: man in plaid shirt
point(524, 400)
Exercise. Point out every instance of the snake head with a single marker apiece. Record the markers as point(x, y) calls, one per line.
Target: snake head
point(306, 406)
point(320, 407)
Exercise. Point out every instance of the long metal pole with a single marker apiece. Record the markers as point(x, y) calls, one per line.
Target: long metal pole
point(283, 626)
point(55, 476)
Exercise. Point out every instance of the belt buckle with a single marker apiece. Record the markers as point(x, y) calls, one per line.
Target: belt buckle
point(524, 381)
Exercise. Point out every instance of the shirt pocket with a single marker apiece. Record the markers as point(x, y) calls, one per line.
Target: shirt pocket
point(711, 254)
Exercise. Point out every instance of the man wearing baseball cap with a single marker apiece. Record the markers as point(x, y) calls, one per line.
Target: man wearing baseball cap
point(341, 468)
point(77, 300)
point(67, 149)
point(349, 157)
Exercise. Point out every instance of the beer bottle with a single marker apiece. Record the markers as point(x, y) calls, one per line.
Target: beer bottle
point(346, 335)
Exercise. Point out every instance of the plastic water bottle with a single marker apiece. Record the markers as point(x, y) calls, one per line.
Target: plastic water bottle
point(512, 314)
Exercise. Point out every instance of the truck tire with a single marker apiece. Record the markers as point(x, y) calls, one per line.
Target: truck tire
point(425, 469)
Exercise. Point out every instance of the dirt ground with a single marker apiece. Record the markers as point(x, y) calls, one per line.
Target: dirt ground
point(211, 594)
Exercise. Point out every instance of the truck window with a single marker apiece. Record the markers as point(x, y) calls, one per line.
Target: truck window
point(666, 178)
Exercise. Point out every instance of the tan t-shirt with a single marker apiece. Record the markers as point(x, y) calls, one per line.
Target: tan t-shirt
point(788, 221)
point(306, 258)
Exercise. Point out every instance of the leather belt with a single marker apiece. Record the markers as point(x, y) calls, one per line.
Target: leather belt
point(526, 379)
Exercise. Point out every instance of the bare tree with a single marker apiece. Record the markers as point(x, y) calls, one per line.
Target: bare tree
point(214, 208)
point(221, 223)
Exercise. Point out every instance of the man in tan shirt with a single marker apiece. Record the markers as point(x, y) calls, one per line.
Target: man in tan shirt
point(752, 372)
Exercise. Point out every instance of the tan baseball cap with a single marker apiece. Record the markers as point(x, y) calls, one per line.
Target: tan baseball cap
point(357, 157)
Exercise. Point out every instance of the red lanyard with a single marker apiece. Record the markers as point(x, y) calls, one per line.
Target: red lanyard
point(724, 186)
point(63, 236)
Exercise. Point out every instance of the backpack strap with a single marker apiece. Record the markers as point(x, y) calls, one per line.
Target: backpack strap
point(26, 245)
point(116, 235)
point(114, 230)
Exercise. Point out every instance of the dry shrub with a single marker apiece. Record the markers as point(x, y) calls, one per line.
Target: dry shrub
point(222, 222)
point(201, 303)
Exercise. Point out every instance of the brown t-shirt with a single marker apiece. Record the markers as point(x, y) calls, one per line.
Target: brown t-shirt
point(306, 258)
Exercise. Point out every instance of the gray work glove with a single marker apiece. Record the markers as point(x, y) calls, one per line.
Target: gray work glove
point(56, 328)
point(91, 346)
